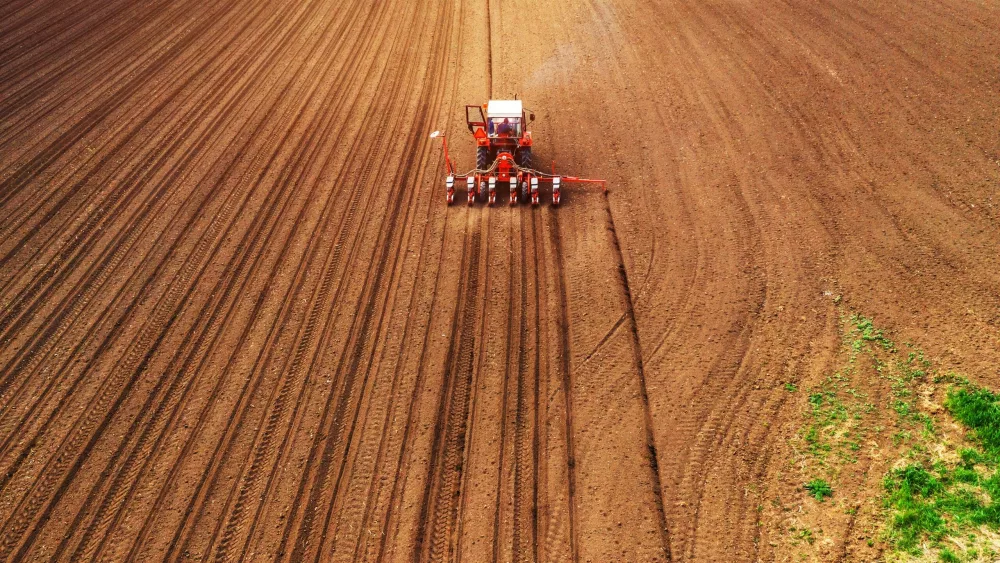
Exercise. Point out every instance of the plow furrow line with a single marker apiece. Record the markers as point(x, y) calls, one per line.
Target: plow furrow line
point(644, 395)
point(21, 175)
point(122, 488)
point(119, 198)
point(159, 320)
point(66, 314)
point(200, 488)
point(236, 518)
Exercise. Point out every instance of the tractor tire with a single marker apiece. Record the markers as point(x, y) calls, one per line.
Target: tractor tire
point(482, 158)
point(523, 158)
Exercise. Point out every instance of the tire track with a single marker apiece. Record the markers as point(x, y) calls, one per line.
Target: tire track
point(510, 339)
point(537, 504)
point(564, 356)
point(439, 512)
point(525, 540)
point(395, 495)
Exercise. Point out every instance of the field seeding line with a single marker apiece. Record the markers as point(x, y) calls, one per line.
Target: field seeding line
point(59, 54)
point(135, 351)
point(352, 500)
point(338, 438)
point(25, 173)
point(14, 7)
point(61, 319)
point(354, 491)
point(347, 226)
point(169, 398)
point(153, 164)
point(91, 228)
point(264, 444)
point(396, 491)
point(388, 442)
point(201, 418)
point(43, 25)
point(89, 284)
point(86, 189)
point(20, 15)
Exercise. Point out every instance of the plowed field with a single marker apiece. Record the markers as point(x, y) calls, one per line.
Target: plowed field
point(238, 321)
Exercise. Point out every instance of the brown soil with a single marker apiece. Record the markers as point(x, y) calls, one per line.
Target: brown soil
point(237, 320)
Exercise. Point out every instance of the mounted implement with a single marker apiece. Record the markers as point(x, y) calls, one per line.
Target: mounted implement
point(503, 157)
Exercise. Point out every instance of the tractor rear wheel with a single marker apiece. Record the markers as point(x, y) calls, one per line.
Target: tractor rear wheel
point(482, 158)
point(523, 158)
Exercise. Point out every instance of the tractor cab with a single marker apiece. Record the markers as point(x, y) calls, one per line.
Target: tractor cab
point(504, 119)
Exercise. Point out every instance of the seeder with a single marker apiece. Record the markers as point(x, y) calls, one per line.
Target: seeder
point(503, 157)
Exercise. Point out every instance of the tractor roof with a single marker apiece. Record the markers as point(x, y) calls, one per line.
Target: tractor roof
point(504, 108)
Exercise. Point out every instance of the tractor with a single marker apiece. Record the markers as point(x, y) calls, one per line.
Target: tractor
point(503, 156)
point(503, 146)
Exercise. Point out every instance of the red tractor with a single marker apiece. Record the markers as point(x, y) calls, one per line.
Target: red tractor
point(503, 150)
point(503, 156)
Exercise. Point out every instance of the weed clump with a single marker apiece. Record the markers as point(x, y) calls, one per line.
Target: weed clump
point(819, 489)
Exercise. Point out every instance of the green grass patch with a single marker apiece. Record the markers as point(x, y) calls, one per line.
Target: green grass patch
point(929, 500)
point(819, 489)
point(979, 410)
